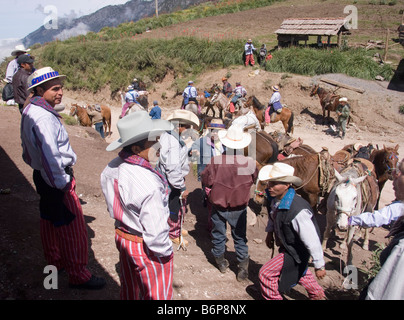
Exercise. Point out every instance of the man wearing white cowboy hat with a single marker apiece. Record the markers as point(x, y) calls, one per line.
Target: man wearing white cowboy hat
point(137, 198)
point(13, 66)
point(47, 150)
point(343, 111)
point(274, 105)
point(249, 53)
point(230, 177)
point(292, 226)
point(174, 165)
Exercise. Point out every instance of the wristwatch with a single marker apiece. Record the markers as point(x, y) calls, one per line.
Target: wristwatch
point(320, 269)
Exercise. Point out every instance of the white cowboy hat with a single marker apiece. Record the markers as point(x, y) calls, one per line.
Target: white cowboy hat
point(19, 48)
point(234, 137)
point(138, 126)
point(184, 117)
point(280, 172)
point(42, 75)
point(343, 99)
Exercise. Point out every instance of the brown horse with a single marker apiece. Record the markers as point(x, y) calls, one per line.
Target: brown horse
point(384, 160)
point(263, 149)
point(106, 118)
point(328, 100)
point(314, 169)
point(286, 116)
point(81, 114)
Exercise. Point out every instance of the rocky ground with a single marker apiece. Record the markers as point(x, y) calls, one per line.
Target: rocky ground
point(376, 120)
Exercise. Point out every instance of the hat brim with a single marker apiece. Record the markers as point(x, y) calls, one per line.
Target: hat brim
point(159, 126)
point(232, 144)
point(264, 175)
point(61, 76)
point(14, 53)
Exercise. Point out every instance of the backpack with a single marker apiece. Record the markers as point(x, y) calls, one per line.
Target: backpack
point(8, 92)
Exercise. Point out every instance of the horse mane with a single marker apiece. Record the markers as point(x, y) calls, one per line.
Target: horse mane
point(257, 104)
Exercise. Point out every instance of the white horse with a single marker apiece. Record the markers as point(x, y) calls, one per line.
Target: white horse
point(193, 107)
point(247, 120)
point(348, 197)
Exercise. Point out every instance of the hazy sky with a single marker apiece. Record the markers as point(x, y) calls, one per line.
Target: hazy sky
point(19, 18)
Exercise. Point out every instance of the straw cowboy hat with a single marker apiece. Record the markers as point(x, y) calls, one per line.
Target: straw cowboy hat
point(249, 41)
point(41, 76)
point(184, 117)
point(275, 88)
point(19, 49)
point(280, 172)
point(234, 137)
point(136, 127)
point(216, 124)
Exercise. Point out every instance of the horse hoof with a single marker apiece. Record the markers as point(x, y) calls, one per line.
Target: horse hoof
point(365, 247)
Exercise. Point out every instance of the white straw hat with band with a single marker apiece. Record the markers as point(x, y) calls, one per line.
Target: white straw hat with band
point(41, 76)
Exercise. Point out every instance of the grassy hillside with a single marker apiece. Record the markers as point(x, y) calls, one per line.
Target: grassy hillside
point(115, 55)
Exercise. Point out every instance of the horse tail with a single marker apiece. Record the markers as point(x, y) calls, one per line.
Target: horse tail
point(290, 123)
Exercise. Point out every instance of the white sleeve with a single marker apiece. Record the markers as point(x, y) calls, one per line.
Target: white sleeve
point(170, 160)
point(379, 218)
point(304, 226)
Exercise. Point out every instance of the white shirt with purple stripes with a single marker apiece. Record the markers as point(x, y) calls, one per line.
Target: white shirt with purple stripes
point(46, 145)
point(136, 198)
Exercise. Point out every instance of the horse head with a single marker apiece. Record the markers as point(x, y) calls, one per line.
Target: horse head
point(259, 192)
point(347, 195)
point(314, 90)
point(390, 159)
point(73, 109)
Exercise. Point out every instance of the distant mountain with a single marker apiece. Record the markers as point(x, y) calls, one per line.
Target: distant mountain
point(109, 16)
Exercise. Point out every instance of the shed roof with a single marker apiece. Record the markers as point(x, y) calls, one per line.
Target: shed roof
point(312, 26)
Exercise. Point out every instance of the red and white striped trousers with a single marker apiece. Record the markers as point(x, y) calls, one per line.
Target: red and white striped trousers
point(269, 278)
point(66, 246)
point(143, 275)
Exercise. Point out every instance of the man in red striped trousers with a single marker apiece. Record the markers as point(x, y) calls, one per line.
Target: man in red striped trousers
point(47, 150)
point(137, 198)
point(292, 226)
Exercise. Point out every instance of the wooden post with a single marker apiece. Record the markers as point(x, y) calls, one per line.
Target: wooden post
point(339, 39)
point(386, 47)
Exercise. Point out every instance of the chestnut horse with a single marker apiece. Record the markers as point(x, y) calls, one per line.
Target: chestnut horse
point(311, 168)
point(384, 160)
point(81, 114)
point(286, 116)
point(328, 100)
point(106, 118)
point(263, 149)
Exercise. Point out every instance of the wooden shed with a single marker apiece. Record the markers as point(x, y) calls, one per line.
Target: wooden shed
point(292, 31)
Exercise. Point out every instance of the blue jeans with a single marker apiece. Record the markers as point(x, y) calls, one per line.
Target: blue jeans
point(99, 127)
point(238, 223)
